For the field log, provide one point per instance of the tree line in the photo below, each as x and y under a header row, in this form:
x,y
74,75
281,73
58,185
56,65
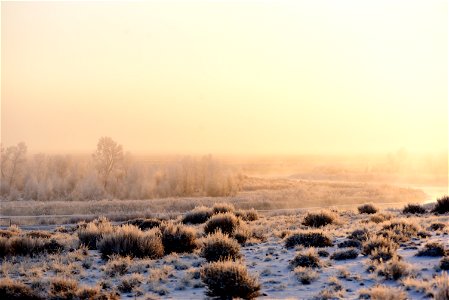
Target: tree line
x,y
109,173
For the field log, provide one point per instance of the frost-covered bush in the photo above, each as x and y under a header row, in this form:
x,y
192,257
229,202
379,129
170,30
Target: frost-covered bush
x,y
94,231
414,209
198,215
228,280
308,238
308,259
319,219
219,246
350,253
225,222
367,209
178,238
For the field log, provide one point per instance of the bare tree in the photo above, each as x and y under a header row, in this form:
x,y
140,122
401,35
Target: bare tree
x,y
108,157
12,160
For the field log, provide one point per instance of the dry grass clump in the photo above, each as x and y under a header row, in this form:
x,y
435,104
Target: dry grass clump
x,y
444,263
242,234
442,283
381,292
394,269
380,217
63,288
442,205
227,280
309,259
417,285
15,290
380,248
28,246
128,240
350,253
308,239
178,238
359,235
94,293
221,208
90,234
219,246
350,244
319,219
198,215
367,208
415,209
305,275
400,230
433,249
437,226
247,215
117,265
226,222
130,282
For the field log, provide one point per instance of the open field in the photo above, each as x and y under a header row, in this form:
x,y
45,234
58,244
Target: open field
x,y
314,254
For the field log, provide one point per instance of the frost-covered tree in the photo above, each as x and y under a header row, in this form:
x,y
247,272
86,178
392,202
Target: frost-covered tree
x,y
108,157
13,160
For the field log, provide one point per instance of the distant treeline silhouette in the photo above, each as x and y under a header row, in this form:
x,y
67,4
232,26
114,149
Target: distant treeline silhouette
x,y
109,174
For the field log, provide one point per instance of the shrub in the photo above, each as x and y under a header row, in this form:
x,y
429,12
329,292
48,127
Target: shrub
x,y
226,222
94,231
394,269
377,242
351,253
128,240
444,263
359,234
382,254
219,246
198,215
130,282
63,288
350,244
437,226
319,219
15,290
307,259
145,224
380,217
399,230
433,249
323,253
23,245
247,215
242,234
367,209
442,292
117,265
305,275
94,293
442,205
383,293
308,239
178,238
414,209
227,279
221,208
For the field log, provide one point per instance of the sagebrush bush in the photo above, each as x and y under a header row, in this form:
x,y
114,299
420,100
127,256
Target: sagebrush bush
x,y
198,215
178,238
350,253
380,217
28,246
226,222
305,275
319,219
308,238
128,240
221,208
242,234
308,258
247,215
437,226
350,244
145,224
367,208
359,235
94,231
444,263
394,269
228,280
442,283
399,230
442,205
63,288
416,209
15,290
432,249
383,253
380,292
117,265
219,246
378,242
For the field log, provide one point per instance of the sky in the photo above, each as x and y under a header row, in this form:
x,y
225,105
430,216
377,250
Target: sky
x,y
226,77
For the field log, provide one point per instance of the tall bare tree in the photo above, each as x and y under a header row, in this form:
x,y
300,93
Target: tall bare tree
x,y
13,159
107,157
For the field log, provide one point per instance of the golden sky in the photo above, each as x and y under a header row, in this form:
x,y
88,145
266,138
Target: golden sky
x,y
226,77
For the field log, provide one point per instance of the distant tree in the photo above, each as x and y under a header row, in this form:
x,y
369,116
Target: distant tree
x,y
108,157
13,159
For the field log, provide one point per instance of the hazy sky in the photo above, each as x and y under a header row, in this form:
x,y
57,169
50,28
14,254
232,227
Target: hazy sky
x,y
226,76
